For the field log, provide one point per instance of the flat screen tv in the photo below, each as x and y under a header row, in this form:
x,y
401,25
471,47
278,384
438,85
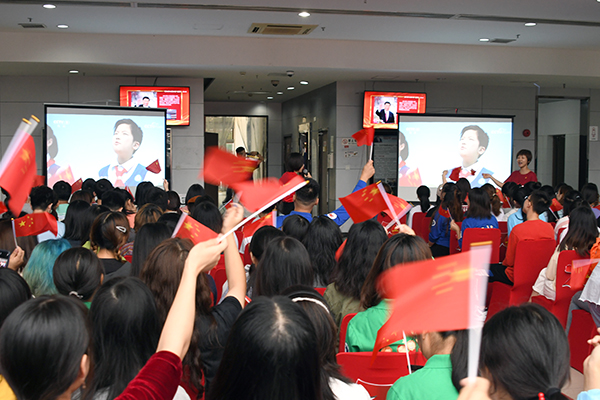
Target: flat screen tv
x,y
464,146
175,99
116,143
381,108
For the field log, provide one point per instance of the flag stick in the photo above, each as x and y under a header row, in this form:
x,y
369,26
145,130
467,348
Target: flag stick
x,y
388,203
12,220
371,155
179,223
406,348
478,288
474,346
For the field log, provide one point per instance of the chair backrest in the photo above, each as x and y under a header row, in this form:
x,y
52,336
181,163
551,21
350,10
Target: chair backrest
x,y
503,226
220,277
417,224
343,330
530,257
480,235
560,308
378,377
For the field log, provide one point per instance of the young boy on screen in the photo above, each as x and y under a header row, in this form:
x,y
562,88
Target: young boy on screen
x,y
473,143
125,171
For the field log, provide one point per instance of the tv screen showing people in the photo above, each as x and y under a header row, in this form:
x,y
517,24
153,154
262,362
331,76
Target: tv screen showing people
x,y
105,142
175,99
381,108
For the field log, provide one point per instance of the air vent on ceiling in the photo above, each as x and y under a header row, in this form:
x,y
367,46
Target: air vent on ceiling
x,y
281,29
502,41
32,25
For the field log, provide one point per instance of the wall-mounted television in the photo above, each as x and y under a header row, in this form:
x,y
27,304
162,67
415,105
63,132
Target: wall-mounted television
x,y
116,143
175,99
381,108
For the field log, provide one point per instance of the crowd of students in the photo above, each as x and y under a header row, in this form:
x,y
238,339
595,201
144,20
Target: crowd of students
x,y
113,306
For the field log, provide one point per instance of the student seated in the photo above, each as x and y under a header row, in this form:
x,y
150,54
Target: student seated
x,y
479,214
450,208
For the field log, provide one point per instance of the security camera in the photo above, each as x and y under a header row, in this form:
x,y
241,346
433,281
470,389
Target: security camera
x,y
290,73
274,82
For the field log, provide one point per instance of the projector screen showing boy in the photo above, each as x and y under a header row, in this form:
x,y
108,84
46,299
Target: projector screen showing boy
x,y
125,171
473,143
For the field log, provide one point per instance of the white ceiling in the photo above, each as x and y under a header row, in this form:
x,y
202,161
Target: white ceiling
x,y
565,28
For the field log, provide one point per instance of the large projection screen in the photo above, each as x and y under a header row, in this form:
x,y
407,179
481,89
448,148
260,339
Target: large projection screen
x,y
84,142
434,144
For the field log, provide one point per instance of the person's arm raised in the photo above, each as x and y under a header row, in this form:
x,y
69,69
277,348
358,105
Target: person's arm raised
x,y
177,332
234,267
496,181
367,172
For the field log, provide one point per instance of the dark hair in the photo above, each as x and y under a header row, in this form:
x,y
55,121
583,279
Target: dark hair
x,y
208,215
110,231
41,197
77,272
398,249
479,204
451,201
62,190
317,310
294,162
13,292
89,185
194,191
539,201
463,187
520,195
531,186
322,240
170,220
86,221
589,192
563,188
159,197
495,202
404,151
525,350
53,148
571,201
423,194
174,202
364,241
126,331
74,222
42,343
276,337
145,97
582,232
147,239
459,357
285,262
136,132
483,137
38,271
141,191
240,150
83,195
308,194
147,214
526,153
508,190
102,186
114,200
295,226
261,238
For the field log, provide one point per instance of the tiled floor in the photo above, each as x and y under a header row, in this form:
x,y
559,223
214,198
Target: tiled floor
x,y
575,386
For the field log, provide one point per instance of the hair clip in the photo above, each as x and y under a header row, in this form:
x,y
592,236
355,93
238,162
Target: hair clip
x,y
121,228
541,396
74,293
320,303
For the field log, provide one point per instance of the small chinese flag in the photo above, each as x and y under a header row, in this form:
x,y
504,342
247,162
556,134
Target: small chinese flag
x,y
189,228
364,136
76,185
34,224
401,206
502,198
129,191
411,179
223,167
340,250
444,212
364,204
267,220
444,294
3,208
39,180
63,174
454,174
556,206
18,169
154,167
580,272
258,195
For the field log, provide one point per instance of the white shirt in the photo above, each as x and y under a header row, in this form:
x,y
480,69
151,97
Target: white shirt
x,y
348,391
42,237
129,167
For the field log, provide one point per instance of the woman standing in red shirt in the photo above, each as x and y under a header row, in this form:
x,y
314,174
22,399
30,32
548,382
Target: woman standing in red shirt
x,y
294,166
523,175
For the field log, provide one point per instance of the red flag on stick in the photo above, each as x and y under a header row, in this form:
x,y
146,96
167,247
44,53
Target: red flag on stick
x,y
3,208
364,136
444,294
76,185
556,206
267,220
401,206
154,167
18,168
34,224
189,228
63,174
258,195
223,167
364,204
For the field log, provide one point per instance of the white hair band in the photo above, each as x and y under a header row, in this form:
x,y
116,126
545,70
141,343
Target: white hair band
x,y
297,299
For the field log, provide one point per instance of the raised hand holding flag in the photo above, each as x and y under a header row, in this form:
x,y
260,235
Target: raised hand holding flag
x,y
189,228
34,224
365,137
364,204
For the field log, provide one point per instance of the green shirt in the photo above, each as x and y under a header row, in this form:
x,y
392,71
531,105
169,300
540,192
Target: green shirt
x,y
432,382
339,304
362,329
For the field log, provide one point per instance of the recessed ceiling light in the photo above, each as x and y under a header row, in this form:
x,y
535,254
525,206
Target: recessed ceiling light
x,y
73,71
269,97
62,26
304,14
279,92
530,24
49,6
304,82
484,40
291,88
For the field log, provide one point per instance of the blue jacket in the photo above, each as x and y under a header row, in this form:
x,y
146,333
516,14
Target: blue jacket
x,y
440,230
339,215
490,222
135,179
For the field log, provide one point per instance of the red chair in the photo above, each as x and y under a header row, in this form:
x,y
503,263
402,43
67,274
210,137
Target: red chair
x,y
454,246
220,277
321,290
481,235
560,306
559,234
378,377
582,329
417,225
530,257
343,329
503,225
